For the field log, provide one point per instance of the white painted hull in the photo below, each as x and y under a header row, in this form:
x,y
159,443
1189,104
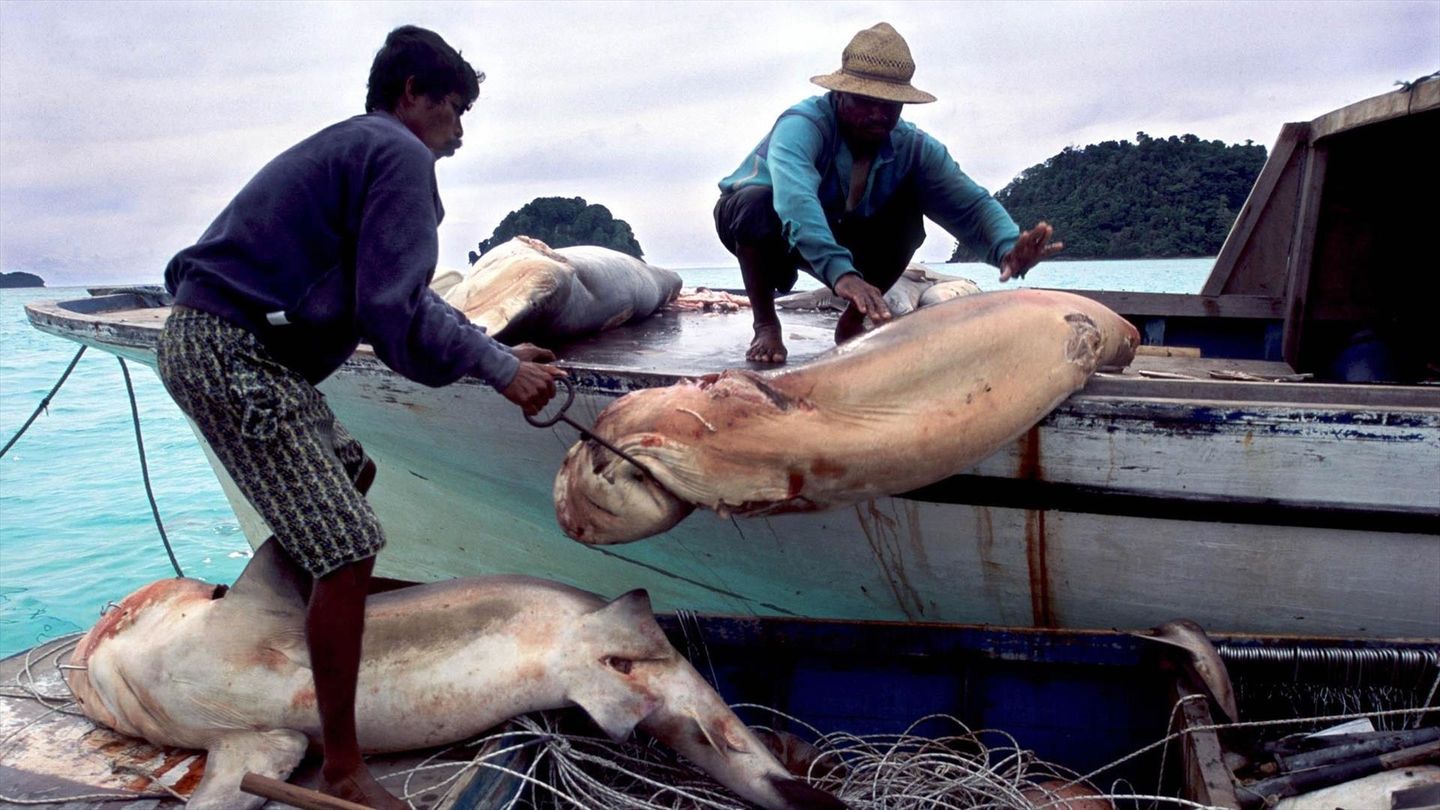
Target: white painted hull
x,y
465,488
1249,507
1238,505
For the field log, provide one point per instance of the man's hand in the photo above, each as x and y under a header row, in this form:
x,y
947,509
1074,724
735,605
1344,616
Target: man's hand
x,y
533,386
1032,246
531,353
866,298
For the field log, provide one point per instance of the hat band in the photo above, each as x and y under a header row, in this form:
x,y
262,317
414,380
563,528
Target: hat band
x,y
849,71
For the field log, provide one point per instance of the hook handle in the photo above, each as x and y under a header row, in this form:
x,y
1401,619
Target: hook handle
x,y
559,414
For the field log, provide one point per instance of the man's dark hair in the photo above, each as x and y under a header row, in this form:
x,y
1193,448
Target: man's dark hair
x,y
439,70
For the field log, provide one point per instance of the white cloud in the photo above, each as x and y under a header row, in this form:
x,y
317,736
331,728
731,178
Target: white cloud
x,y
125,127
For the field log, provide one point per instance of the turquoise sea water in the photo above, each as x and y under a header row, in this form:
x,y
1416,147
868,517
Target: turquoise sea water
x,y
76,529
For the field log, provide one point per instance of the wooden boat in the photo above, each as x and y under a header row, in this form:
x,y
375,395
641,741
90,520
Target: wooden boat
x,y
1098,703
1248,472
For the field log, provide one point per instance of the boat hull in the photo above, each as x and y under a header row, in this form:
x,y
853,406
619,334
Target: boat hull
x,y
1107,514
1272,508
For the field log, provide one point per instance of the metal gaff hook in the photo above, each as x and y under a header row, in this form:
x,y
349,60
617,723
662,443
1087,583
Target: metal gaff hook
x,y
584,431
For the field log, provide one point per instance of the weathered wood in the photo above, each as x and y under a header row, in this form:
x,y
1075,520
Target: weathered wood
x,y
1302,258
1420,97
1167,351
293,795
1380,743
1183,497
1262,202
1185,305
1207,777
1268,791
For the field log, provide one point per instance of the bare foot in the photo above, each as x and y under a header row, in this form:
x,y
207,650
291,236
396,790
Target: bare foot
x,y
361,788
767,347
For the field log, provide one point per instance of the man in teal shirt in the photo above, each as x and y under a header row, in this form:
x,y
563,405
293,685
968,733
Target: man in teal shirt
x,y
840,186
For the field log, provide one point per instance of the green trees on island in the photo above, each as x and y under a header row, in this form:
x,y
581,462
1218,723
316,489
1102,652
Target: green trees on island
x,y
1155,198
562,222
20,279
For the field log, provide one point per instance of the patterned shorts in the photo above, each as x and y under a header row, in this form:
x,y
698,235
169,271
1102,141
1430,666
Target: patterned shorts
x,y
276,436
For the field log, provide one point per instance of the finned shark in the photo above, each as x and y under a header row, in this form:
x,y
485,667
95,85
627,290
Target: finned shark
x,y
524,290
918,286
185,663
914,401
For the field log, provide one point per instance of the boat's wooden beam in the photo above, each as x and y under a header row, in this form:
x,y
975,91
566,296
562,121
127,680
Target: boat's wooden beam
x,y
1420,97
1261,201
1188,306
1207,777
1302,257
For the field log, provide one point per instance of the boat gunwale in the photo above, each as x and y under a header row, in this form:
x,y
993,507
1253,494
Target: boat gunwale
x,y
81,320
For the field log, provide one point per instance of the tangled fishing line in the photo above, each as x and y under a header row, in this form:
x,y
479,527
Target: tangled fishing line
x,y
559,768
549,764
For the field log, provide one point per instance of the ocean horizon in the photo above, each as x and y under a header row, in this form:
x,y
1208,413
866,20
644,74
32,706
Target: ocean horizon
x,y
76,526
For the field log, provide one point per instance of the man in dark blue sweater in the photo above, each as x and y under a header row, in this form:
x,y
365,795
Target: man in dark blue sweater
x,y
331,244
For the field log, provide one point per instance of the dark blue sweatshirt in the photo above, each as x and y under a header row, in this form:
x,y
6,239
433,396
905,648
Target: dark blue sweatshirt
x,y
334,243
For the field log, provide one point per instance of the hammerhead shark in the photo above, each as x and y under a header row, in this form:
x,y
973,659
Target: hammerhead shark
x,y
186,663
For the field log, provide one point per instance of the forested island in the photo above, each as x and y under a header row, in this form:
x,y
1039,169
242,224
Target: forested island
x,y
563,222
1169,197
17,280
1156,198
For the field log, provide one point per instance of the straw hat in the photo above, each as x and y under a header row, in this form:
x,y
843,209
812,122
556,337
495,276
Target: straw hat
x,y
877,64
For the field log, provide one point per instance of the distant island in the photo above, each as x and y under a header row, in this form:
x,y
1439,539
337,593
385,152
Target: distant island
x,y
563,222
1169,197
12,280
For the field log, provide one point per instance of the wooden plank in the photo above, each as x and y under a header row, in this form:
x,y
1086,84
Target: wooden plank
x,y
1167,351
1302,258
1267,792
1260,202
1421,97
1187,305
293,795
1207,778
1202,388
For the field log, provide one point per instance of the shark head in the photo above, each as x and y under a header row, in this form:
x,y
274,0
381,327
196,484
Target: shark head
x,y
611,652
601,498
625,674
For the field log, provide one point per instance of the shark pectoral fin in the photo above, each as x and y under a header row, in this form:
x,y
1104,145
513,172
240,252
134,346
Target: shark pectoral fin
x,y
734,742
615,714
268,753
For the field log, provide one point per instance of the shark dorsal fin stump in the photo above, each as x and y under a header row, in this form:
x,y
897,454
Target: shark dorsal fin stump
x,y
272,576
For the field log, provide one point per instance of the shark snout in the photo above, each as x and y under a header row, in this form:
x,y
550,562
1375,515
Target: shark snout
x,y
625,674
695,721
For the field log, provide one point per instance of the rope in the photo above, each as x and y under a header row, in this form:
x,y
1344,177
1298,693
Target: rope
x,y
139,443
955,771
145,468
44,403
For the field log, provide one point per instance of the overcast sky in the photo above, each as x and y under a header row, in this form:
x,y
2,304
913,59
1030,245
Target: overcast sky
x,y
126,127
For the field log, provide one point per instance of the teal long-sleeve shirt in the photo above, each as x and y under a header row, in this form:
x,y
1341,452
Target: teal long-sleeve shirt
x,y
807,165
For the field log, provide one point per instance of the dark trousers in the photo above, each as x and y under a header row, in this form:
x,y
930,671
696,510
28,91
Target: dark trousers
x,y
881,244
